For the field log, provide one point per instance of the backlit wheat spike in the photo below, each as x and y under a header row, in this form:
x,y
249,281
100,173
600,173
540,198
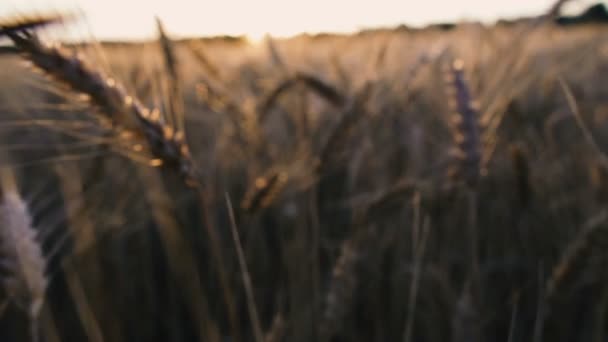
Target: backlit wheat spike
x,y
465,126
123,110
20,253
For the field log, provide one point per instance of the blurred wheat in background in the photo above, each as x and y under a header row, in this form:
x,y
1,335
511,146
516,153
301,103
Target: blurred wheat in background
x,y
446,183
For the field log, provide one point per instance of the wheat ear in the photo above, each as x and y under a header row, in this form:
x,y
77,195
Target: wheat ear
x,y
465,126
123,110
20,253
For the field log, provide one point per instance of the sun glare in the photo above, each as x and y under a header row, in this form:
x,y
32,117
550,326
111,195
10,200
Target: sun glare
x,y
255,39
134,19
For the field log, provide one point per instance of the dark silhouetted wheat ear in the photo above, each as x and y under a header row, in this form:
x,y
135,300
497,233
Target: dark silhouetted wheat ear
x,y
123,111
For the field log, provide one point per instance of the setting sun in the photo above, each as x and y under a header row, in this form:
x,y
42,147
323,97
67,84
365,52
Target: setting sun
x,y
121,19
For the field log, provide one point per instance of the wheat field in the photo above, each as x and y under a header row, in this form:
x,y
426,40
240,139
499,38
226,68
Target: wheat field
x,y
392,185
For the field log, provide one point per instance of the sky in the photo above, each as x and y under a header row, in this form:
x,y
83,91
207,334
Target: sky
x,y
134,19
